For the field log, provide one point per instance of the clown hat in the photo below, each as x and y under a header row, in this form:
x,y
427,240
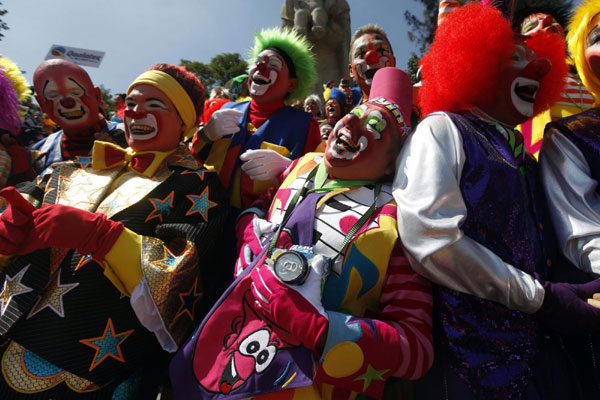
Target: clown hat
x,y
345,82
392,88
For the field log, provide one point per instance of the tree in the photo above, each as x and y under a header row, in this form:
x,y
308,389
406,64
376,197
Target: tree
x,y
3,25
107,104
218,71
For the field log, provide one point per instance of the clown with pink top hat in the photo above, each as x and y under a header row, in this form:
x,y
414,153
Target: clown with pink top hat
x,y
324,298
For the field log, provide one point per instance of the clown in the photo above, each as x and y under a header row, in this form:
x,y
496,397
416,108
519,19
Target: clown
x,y
250,143
334,107
370,322
569,165
104,278
471,215
531,19
370,50
67,95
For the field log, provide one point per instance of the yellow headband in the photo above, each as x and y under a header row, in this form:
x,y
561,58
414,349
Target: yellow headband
x,y
174,91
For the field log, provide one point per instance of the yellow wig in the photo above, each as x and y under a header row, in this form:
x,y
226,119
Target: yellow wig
x,y
577,40
13,72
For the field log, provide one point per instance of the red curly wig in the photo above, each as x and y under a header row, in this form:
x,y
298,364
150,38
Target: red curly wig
x,y
462,66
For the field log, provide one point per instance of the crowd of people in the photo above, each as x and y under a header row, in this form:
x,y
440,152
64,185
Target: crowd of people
x,y
390,239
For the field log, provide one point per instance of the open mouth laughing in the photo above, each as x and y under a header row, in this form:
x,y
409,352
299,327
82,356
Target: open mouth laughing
x,y
523,93
344,147
142,128
72,115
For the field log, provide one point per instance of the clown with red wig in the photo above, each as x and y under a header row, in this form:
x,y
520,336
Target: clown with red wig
x,y
472,216
101,272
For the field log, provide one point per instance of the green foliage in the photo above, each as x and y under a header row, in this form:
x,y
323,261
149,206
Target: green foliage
x,y
218,71
107,99
3,25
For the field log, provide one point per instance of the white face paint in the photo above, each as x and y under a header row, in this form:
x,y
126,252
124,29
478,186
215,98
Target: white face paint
x,y
142,128
69,111
365,70
347,147
264,76
524,105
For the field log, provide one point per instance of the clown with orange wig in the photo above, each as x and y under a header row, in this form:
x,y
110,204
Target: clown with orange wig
x,y
471,216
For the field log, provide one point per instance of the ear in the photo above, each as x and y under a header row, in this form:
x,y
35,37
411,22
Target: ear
x,y
98,94
292,85
392,60
350,71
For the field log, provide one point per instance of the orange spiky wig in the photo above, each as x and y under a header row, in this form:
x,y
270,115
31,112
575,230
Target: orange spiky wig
x,y
462,67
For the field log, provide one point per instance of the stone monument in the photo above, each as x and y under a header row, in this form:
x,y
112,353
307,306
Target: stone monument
x,y
326,25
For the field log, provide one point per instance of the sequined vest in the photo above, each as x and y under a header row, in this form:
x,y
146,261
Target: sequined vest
x,y
582,129
491,346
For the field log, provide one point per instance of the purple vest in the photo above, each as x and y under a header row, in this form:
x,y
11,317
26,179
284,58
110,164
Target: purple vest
x,y
490,346
584,131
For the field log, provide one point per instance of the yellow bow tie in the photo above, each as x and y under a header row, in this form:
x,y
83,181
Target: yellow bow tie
x,y
108,155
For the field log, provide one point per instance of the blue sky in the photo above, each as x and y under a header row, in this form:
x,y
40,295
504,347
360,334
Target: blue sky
x,y
136,34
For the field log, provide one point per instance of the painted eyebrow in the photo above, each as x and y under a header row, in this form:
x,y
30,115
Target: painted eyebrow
x,y
45,84
156,99
77,83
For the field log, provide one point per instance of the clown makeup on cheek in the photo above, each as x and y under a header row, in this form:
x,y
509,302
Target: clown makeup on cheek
x,y
151,120
67,98
371,52
592,52
264,72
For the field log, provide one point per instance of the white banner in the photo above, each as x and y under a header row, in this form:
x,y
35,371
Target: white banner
x,y
90,58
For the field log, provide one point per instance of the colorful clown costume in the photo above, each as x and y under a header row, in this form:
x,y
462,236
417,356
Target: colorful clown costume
x,y
379,310
69,332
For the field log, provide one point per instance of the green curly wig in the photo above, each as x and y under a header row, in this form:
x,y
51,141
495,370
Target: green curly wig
x,y
299,51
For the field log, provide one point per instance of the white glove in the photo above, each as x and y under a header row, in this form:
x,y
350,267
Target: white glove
x,y
263,165
221,123
311,288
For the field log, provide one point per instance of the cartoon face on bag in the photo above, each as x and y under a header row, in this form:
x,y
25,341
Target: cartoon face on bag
x,y
239,350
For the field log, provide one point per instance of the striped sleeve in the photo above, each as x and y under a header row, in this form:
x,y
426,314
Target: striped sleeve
x,y
406,301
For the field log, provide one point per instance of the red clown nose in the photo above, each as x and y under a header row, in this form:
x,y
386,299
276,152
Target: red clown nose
x,y
67,102
135,115
372,57
537,69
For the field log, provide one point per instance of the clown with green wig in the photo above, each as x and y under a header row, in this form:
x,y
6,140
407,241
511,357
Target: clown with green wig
x,y
250,143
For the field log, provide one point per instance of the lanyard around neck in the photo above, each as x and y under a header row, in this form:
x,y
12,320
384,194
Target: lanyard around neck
x,y
320,175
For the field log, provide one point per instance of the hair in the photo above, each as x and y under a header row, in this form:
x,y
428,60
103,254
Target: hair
x,y
462,66
314,98
577,40
123,96
14,73
188,81
523,9
296,48
369,28
338,95
9,106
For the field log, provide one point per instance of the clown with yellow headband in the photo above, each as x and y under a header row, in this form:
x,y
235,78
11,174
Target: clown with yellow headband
x,y
143,217
570,165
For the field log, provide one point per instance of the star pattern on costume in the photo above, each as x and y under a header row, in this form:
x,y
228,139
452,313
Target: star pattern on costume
x,y
13,287
371,375
161,208
52,297
186,158
111,205
199,172
107,345
80,191
200,204
84,260
84,162
188,301
168,261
